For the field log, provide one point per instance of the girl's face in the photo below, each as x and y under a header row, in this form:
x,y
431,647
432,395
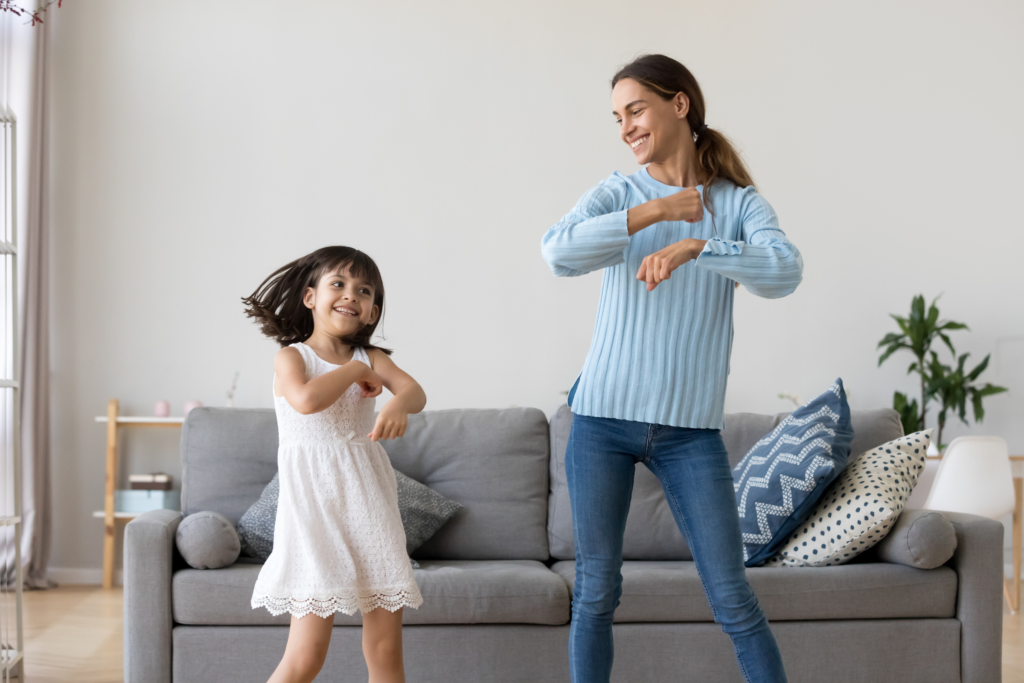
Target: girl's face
x,y
341,303
652,126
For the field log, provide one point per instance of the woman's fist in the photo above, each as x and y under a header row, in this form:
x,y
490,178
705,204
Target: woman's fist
x,y
685,205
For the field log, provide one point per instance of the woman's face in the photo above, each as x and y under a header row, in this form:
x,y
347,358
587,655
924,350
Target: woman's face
x,y
652,126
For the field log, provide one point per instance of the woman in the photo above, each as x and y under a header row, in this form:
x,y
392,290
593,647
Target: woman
x,y
672,239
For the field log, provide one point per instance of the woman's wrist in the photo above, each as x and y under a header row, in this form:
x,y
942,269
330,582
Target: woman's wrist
x,y
644,215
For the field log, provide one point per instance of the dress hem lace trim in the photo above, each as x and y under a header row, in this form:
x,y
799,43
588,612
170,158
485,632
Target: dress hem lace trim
x,y
327,606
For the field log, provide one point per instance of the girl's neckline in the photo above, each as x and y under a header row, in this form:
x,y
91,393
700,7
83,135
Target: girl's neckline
x,y
322,360
646,175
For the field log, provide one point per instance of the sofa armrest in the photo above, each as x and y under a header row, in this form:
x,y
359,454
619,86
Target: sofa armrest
x,y
148,564
978,562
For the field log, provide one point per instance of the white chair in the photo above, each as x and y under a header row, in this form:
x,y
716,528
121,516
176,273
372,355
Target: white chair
x,y
974,477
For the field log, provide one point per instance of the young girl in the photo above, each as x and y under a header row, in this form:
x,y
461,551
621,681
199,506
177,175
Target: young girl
x,y
339,545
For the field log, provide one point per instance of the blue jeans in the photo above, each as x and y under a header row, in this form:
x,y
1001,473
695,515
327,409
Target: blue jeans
x,y
693,467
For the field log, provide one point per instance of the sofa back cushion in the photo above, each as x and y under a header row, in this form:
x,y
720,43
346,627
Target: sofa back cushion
x,y
228,456
493,462
651,531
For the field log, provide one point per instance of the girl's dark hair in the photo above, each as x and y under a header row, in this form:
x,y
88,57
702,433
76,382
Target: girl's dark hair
x,y
277,303
716,157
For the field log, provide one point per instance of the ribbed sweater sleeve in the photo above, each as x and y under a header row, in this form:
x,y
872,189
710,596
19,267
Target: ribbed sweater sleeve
x,y
764,261
591,236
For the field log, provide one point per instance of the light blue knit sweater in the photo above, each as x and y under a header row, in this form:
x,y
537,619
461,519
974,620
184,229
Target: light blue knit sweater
x,y
663,356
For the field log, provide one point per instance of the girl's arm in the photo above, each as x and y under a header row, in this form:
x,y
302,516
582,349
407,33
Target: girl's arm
x,y
319,393
409,398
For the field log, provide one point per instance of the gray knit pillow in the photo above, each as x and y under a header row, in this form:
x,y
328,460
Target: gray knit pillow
x,y
256,527
423,511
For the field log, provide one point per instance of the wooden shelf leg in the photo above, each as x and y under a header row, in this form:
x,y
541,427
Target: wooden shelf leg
x,y
1018,528
109,527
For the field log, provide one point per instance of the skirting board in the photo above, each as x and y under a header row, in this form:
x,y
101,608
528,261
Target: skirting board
x,y
86,576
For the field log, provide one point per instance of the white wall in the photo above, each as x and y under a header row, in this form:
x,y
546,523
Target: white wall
x,y
197,146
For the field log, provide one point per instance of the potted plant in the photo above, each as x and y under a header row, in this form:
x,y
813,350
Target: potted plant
x,y
951,387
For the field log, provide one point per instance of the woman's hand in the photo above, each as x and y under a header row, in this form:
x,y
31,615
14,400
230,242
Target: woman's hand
x,y
685,205
658,267
391,422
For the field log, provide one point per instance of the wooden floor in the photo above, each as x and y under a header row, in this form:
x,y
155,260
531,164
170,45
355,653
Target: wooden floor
x,y
75,634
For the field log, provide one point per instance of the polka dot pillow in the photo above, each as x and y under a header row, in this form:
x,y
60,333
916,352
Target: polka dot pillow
x,y
859,507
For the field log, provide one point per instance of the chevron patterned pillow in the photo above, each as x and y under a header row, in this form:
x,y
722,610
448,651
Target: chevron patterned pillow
x,y
860,507
781,479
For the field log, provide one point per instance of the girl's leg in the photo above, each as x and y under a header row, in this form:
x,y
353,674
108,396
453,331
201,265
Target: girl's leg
x,y
382,645
306,650
693,467
599,467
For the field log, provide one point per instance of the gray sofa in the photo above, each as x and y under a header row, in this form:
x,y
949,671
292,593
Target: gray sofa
x,y
496,580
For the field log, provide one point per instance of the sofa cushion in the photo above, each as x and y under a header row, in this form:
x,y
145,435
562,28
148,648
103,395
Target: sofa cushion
x,y
207,540
423,512
672,591
454,592
920,538
858,509
779,481
651,532
228,455
493,462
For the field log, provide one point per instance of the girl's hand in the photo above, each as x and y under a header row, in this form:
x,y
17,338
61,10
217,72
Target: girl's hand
x,y
658,267
391,423
685,205
370,382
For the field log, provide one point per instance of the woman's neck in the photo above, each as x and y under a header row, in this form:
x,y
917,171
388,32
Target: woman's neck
x,y
679,169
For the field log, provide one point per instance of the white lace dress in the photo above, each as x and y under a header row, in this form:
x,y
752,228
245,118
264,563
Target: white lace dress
x,y
339,545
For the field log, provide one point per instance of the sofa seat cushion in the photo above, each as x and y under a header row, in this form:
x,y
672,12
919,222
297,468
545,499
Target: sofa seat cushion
x,y
454,592
672,591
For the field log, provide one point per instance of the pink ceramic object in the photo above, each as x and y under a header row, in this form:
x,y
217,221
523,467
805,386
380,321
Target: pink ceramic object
x,y
192,404
162,409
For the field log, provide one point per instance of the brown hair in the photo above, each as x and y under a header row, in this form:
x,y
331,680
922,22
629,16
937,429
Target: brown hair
x,y
277,303
716,157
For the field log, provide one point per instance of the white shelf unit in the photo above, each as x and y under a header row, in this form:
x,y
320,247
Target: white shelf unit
x,y
12,643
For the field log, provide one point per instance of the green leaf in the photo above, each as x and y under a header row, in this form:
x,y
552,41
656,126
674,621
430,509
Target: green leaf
x,y
949,344
979,369
917,307
990,390
888,352
891,337
979,412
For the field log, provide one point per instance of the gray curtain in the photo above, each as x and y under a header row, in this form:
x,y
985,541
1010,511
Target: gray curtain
x,y
23,62
35,338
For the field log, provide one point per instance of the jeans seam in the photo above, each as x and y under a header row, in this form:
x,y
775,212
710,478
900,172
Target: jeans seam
x,y
576,553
